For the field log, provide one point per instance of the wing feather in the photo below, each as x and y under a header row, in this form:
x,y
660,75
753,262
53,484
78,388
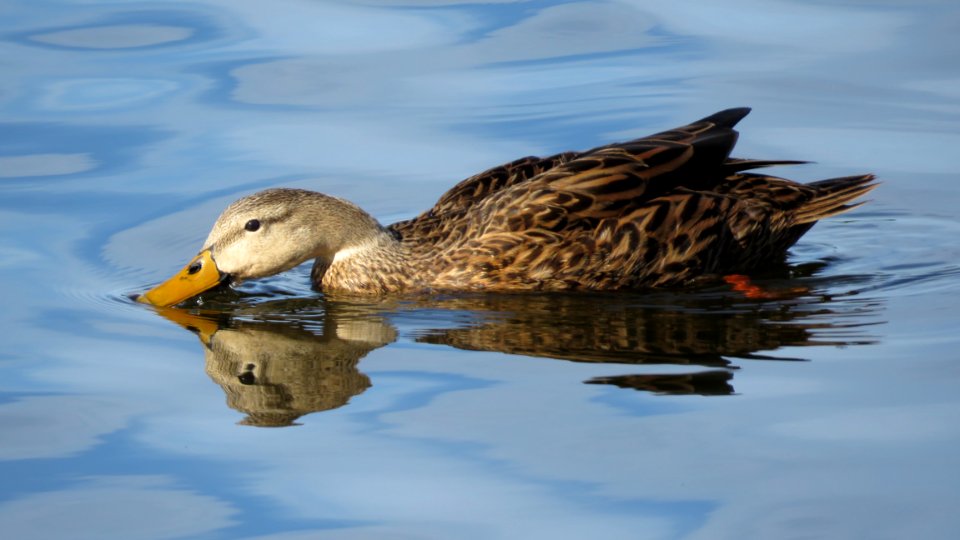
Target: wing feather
x,y
656,211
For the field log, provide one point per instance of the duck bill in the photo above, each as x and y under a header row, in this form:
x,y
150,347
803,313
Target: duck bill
x,y
198,276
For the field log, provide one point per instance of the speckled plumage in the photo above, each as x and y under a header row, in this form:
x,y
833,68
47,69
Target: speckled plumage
x,y
666,210
663,210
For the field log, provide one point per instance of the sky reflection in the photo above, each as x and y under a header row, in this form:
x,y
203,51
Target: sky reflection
x,y
128,126
116,507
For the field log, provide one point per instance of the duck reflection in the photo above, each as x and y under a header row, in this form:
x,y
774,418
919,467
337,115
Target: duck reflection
x,y
278,371
667,329
281,359
704,383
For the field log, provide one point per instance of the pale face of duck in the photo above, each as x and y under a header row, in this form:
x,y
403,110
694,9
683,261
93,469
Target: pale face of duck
x,y
265,234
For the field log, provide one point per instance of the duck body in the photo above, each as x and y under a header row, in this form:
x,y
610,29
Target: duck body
x,y
666,210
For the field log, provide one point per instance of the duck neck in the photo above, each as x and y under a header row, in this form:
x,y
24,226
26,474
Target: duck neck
x,y
375,263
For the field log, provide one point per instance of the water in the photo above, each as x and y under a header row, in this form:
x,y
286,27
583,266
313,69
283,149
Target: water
x,y
126,127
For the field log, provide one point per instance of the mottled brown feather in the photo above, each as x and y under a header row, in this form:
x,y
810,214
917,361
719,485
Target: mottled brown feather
x,y
662,210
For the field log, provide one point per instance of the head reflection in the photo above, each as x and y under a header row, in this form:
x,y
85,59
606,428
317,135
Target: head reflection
x,y
277,371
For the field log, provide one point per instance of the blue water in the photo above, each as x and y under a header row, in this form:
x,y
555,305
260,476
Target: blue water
x,y
272,412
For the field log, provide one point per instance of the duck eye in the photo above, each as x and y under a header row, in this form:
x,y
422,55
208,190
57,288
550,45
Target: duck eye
x,y
252,225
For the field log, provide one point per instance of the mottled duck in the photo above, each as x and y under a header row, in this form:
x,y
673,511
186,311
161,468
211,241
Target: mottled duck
x,y
668,210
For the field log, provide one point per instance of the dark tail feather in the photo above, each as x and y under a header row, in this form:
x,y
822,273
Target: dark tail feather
x,y
726,118
735,165
833,196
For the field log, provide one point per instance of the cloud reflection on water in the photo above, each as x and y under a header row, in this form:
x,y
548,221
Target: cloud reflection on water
x,y
121,507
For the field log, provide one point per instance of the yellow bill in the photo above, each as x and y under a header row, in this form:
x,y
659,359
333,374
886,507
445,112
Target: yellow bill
x,y
201,274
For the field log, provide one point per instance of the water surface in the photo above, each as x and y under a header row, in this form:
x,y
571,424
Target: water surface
x,y
275,412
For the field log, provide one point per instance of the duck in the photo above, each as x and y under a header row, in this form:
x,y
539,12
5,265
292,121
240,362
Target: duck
x,y
668,210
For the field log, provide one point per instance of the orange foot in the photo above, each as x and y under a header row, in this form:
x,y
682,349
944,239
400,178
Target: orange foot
x,y
742,283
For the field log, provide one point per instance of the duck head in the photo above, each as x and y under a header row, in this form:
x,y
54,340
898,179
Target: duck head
x,y
264,234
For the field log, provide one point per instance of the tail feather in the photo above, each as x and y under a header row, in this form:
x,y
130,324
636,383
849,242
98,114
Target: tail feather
x,y
735,165
833,197
726,118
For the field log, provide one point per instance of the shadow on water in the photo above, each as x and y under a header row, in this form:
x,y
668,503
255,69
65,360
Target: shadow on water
x,y
280,359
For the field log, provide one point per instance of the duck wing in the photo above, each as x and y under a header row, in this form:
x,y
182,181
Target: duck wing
x,y
660,210
613,175
463,196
